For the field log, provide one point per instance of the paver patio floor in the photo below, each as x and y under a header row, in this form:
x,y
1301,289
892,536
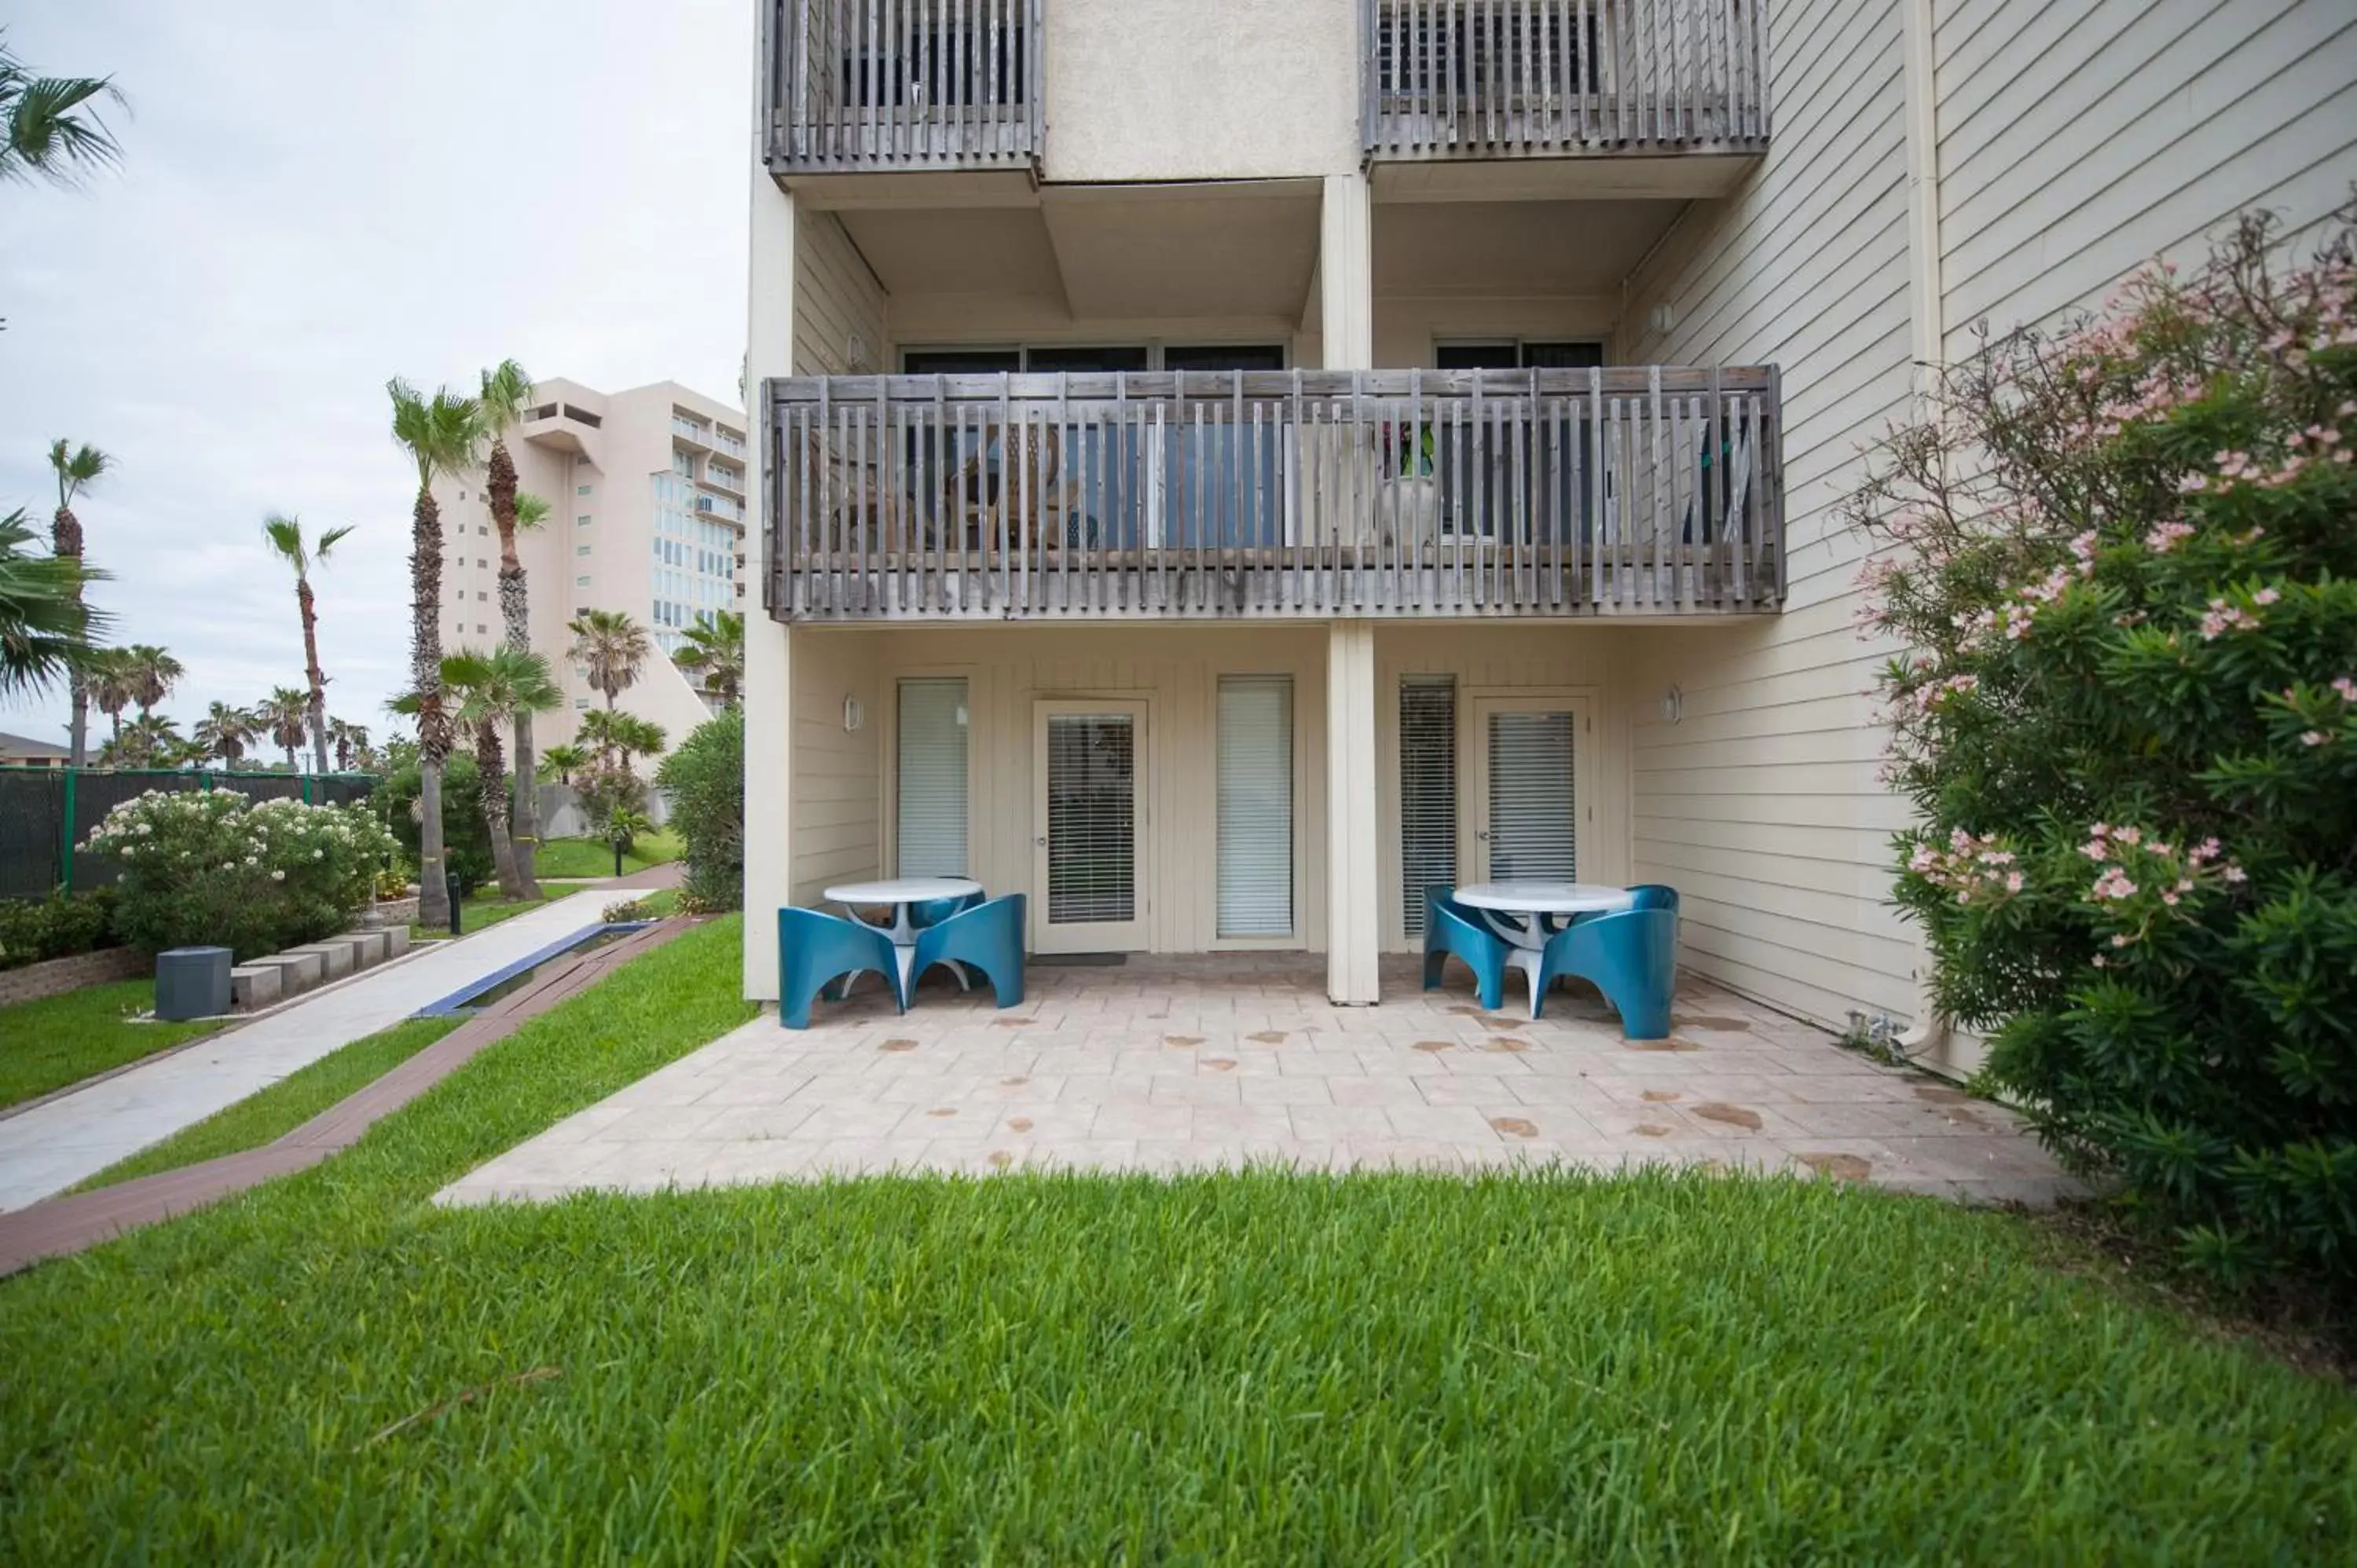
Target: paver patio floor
x,y
1169,1065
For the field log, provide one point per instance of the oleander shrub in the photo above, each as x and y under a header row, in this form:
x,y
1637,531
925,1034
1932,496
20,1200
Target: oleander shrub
x,y
705,778
33,930
213,867
2123,560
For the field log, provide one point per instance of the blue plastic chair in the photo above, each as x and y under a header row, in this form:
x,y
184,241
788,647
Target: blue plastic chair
x,y
1630,956
987,936
1656,896
815,948
1451,928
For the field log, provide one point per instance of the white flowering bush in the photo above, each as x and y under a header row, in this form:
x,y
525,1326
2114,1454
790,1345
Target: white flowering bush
x,y
209,867
2123,560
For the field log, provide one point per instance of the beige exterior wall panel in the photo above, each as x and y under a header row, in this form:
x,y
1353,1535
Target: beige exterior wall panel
x,y
1166,90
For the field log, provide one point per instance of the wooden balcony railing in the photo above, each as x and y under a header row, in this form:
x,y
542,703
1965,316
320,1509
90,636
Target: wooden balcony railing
x,y
866,85
1393,493
1490,79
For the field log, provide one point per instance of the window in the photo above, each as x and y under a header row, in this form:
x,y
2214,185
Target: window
x,y
481,595
480,629
1255,805
580,701
581,521
480,562
1512,355
932,778
1427,732
583,489
581,549
580,582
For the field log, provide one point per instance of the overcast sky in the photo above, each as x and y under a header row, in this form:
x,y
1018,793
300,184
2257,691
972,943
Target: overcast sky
x,y
317,197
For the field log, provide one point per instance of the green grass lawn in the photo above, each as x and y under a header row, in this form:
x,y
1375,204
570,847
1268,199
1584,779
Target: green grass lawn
x,y
286,1105
1255,1368
61,1040
594,858
482,908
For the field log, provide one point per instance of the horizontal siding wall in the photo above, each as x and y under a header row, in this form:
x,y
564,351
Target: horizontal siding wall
x,y
2076,141
2079,142
838,832
1177,671
836,299
1589,661
1761,804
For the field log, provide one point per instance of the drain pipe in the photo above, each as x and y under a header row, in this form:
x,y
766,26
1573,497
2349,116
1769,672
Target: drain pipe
x,y
1927,342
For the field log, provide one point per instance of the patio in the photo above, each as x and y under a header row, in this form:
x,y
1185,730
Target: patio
x,y
1175,1064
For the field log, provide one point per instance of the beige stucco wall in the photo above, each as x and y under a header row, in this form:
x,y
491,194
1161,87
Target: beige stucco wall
x,y
1159,89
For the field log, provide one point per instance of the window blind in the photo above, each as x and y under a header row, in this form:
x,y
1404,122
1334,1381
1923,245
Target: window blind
x,y
1428,791
932,810
1532,825
1091,819
1255,806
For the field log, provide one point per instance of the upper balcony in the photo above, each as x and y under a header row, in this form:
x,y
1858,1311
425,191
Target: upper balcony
x,y
1518,79
859,86
1648,490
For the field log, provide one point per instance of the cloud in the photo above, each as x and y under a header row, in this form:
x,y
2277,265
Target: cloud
x,y
316,197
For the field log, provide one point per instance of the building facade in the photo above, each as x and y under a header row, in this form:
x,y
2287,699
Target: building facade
x,y
1228,466
647,506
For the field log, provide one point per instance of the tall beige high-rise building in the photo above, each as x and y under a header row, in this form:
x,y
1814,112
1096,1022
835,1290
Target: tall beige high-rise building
x,y
646,514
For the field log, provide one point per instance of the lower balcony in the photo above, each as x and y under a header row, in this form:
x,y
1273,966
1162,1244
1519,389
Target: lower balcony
x,y
1647,490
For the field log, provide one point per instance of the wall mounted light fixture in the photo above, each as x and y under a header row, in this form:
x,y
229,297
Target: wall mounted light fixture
x,y
1673,704
854,714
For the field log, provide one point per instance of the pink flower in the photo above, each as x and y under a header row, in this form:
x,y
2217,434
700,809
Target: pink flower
x,y
2266,596
2130,836
2313,737
2013,882
2236,873
2346,689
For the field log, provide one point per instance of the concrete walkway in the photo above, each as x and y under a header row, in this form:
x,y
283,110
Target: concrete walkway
x,y
53,1145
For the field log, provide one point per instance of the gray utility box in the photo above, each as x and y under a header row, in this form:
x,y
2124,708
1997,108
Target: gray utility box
x,y
191,982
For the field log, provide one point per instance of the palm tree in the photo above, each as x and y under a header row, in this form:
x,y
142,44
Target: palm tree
x,y
150,673
620,736
106,674
49,126
284,536
531,513
440,434
351,741
44,627
714,650
77,470
286,714
151,740
225,731
564,761
490,690
613,646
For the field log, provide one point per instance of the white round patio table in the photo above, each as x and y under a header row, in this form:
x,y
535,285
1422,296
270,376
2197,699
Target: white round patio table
x,y
1519,911
899,893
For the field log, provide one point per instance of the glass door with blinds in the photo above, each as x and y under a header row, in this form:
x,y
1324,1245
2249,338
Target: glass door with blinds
x,y
1531,787
930,789
1255,807
1089,861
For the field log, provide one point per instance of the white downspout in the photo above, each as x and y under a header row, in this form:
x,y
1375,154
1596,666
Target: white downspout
x,y
1927,342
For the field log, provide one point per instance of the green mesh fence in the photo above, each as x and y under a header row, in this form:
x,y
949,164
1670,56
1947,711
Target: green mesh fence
x,y
47,812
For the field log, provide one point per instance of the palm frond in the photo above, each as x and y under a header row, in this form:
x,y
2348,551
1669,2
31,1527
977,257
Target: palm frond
x,y
506,392
50,125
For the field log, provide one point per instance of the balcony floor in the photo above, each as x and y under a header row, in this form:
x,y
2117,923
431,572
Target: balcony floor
x,y
1176,1064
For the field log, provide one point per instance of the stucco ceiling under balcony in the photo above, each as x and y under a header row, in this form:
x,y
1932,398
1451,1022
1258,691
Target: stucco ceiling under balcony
x,y
1232,249
1523,248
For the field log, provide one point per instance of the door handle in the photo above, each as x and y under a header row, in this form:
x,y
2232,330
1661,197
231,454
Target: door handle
x,y
1040,842
1483,835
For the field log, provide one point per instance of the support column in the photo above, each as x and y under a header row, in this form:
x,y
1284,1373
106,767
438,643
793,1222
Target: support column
x,y
769,644
1346,274
1354,901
